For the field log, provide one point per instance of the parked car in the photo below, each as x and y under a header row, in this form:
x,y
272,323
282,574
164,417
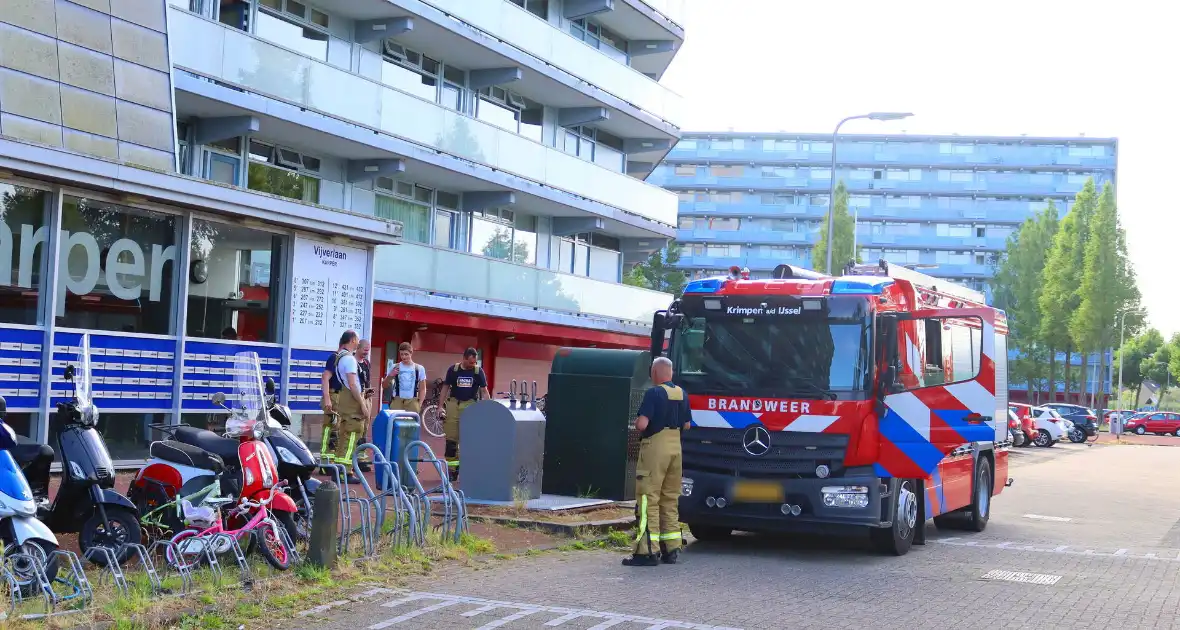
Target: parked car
x,y
1028,422
1157,422
1050,426
1015,433
1083,417
1132,422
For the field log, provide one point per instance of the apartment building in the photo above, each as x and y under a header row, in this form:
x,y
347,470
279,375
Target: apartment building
x,y
448,172
943,204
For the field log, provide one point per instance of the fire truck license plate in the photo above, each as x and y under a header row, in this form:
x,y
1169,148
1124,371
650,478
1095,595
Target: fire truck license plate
x,y
757,492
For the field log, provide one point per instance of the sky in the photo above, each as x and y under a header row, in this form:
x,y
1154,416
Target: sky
x,y
1035,67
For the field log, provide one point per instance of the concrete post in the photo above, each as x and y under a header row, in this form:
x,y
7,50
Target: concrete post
x,y
325,526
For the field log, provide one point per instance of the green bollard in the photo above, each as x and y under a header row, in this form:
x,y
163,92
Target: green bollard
x,y
325,526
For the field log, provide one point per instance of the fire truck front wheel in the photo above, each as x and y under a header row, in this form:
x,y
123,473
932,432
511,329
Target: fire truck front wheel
x,y
706,533
899,537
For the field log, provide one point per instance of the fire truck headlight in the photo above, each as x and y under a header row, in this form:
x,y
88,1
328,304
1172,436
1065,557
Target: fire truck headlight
x,y
845,496
712,305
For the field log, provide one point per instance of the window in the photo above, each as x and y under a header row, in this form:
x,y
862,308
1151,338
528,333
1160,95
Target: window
x,y
725,196
723,251
896,228
1087,151
600,38
952,257
414,215
860,201
779,145
685,170
820,201
956,149
956,176
182,130
954,230
774,225
500,233
724,224
687,144
1077,178
539,8
243,283
23,243
119,267
718,170
721,145
896,201
283,172
778,171
821,173
776,252
686,196
778,199
955,203
860,174
686,223
596,146
904,174
294,25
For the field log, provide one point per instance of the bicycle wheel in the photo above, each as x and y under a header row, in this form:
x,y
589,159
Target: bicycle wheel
x,y
273,549
190,547
432,420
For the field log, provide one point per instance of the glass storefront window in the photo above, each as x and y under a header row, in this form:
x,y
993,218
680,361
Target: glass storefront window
x,y
235,281
23,242
118,269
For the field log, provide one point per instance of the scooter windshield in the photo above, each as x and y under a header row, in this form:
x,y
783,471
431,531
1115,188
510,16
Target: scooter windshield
x,y
82,381
248,400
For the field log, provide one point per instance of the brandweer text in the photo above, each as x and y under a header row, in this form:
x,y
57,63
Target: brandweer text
x,y
759,404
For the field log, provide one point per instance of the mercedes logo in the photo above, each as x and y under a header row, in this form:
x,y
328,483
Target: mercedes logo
x,y
756,440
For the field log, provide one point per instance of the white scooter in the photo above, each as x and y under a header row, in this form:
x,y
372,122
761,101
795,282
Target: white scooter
x,y
22,534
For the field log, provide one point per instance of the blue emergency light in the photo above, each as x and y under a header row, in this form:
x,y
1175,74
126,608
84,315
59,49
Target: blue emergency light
x,y
706,285
860,286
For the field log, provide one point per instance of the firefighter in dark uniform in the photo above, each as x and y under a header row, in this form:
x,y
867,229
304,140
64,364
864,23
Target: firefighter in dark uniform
x,y
663,413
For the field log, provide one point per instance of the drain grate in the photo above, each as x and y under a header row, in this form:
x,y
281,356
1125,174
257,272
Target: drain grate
x,y
1023,578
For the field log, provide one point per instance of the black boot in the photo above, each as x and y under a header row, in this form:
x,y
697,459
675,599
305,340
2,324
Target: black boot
x,y
642,560
670,557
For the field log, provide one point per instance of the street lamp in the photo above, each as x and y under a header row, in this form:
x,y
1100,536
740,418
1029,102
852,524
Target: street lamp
x,y
832,189
1119,391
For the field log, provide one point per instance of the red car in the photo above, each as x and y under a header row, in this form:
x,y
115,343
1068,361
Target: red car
x,y
1157,422
1028,422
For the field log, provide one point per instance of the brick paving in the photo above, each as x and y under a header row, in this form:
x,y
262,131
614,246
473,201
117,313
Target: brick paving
x,y
1098,527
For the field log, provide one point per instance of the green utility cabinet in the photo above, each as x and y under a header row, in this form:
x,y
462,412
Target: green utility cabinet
x,y
590,445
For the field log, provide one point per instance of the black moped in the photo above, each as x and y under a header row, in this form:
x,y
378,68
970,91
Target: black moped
x,y
86,502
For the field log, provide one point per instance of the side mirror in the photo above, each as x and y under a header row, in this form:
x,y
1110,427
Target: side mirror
x,y
659,323
219,399
270,386
890,384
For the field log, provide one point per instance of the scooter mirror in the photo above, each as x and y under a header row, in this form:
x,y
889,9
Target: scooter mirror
x,y
270,386
69,373
219,398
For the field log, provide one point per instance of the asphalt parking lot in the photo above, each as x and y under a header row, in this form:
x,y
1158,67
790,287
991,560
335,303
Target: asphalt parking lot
x,y
1088,537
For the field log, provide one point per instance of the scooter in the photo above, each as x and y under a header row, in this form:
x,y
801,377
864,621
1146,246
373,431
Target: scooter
x,y
86,501
20,531
246,451
176,470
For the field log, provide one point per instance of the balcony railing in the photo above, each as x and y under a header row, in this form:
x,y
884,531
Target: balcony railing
x,y
515,26
467,275
238,58
674,10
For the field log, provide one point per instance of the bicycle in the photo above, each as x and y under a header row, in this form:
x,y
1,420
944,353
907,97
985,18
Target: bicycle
x,y
167,519
191,544
434,414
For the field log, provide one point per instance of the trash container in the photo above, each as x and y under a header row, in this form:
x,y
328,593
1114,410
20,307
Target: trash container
x,y
590,447
392,431
502,449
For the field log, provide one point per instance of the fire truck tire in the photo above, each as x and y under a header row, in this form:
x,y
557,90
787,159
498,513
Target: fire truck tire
x,y
897,539
981,497
707,533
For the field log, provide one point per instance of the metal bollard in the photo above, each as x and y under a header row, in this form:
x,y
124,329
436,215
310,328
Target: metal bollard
x,y
325,526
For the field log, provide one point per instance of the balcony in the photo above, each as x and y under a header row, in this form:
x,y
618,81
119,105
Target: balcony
x,y
675,10
458,274
515,26
237,58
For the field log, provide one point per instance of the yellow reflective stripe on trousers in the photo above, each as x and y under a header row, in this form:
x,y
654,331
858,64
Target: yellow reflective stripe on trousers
x,y
642,518
671,536
351,447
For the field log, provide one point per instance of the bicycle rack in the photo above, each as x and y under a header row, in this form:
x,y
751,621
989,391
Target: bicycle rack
x,y
149,567
182,568
454,503
25,590
111,564
340,476
379,502
77,581
246,577
293,554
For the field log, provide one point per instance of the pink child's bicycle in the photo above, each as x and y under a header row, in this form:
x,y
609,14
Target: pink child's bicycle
x,y
248,516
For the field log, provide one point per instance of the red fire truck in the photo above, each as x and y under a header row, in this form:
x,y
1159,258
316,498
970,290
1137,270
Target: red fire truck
x,y
874,400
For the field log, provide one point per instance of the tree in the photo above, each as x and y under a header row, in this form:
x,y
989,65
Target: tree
x,y
1107,281
1061,295
845,231
500,246
658,272
1158,368
1132,357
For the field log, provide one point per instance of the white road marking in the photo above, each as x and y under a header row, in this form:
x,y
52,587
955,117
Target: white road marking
x,y
609,619
1056,519
1173,554
410,615
510,618
324,608
1025,578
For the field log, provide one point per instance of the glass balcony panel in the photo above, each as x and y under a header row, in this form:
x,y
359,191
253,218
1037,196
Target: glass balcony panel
x,y
467,275
235,57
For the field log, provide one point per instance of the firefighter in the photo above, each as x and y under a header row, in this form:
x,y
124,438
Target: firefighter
x,y
344,402
663,413
463,386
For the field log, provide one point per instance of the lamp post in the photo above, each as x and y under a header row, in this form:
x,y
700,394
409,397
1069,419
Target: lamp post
x,y
832,188
1119,390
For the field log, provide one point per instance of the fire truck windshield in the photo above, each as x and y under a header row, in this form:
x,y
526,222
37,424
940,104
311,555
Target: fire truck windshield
x,y
815,358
